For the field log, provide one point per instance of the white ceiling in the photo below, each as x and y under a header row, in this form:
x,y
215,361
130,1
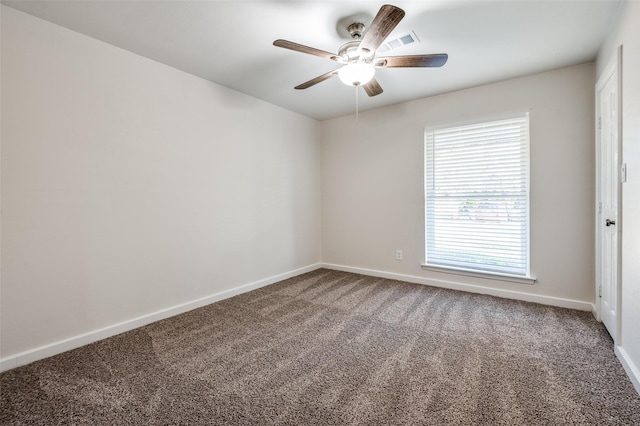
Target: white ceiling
x,y
230,42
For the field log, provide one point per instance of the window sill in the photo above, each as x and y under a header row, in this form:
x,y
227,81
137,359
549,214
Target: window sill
x,y
481,274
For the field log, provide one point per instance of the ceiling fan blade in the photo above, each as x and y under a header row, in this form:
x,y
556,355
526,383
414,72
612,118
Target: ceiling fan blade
x,y
385,21
304,49
411,61
317,80
373,88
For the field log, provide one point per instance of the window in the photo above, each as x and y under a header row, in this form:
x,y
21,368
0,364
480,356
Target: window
x,y
477,197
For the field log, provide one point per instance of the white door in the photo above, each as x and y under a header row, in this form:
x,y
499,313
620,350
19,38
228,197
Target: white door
x,y
608,191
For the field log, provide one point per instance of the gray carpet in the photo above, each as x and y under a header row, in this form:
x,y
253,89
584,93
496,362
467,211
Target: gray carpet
x,y
331,348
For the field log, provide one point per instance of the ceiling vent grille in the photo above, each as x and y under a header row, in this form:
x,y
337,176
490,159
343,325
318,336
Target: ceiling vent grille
x,y
400,41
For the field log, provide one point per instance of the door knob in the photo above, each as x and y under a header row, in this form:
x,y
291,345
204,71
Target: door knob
x,y
610,222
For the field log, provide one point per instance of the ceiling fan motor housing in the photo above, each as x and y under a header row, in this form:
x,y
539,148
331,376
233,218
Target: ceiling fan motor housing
x,y
349,52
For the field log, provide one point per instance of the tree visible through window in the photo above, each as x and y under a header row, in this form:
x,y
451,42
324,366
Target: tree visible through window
x,y
477,196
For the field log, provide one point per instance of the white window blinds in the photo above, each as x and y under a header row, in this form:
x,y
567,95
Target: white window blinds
x,y
477,196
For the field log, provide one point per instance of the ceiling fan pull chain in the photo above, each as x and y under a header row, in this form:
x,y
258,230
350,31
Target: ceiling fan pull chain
x,y
356,105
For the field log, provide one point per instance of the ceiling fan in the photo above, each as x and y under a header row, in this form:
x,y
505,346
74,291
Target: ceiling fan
x,y
358,57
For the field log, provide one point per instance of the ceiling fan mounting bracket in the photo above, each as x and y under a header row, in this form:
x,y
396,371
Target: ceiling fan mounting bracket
x,y
356,30
356,22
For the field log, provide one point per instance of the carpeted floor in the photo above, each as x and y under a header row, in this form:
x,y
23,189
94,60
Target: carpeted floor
x,y
333,348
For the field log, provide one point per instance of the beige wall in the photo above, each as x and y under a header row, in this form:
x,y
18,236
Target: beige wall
x,y
372,183
626,32
129,187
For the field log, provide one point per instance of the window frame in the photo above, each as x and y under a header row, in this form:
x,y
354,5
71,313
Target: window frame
x,y
525,278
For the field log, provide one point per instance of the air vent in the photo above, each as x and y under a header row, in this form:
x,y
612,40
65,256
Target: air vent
x,y
400,41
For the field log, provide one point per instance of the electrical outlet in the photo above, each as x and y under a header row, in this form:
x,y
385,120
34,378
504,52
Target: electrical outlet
x,y
398,254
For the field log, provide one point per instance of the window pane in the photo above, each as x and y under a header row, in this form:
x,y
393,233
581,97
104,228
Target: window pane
x,y
477,196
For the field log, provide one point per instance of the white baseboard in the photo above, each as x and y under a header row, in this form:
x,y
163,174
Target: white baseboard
x,y
55,348
632,370
452,285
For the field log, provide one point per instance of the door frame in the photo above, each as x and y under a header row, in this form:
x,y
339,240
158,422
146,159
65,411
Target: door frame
x,y
614,66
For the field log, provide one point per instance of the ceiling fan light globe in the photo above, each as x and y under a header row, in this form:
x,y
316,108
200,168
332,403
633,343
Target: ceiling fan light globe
x,y
356,74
